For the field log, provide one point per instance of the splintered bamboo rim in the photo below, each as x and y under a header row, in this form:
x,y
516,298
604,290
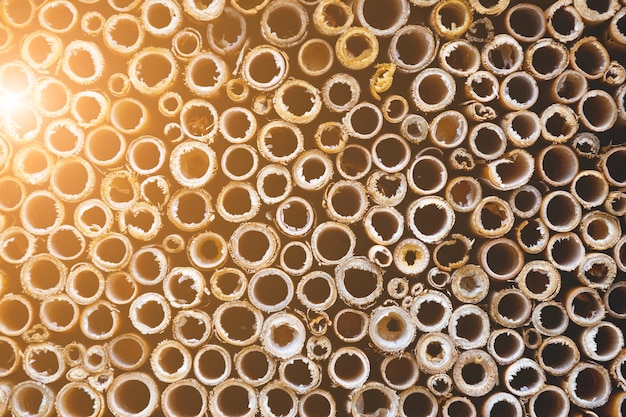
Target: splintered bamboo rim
x,y
503,401
161,17
550,401
588,385
458,404
42,370
170,361
77,397
254,365
283,335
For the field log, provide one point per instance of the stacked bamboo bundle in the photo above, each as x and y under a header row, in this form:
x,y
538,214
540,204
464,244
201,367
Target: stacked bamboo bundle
x,y
314,208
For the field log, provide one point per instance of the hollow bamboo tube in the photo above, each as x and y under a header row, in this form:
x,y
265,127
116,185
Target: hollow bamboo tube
x,y
597,110
190,210
524,377
280,295
502,404
16,245
431,311
469,284
387,189
492,217
238,323
350,325
318,402
284,24
29,50
382,25
299,374
597,270
105,147
317,291
266,246
76,56
42,276
33,164
588,385
518,91
560,211
456,406
283,335
186,43
459,57
13,355
432,90
505,346
127,351
276,399
31,397
435,353
99,320
480,376
352,58
274,183
239,162
212,364
469,327
43,362
161,18
359,281
185,397
602,342
523,128
5,397
557,165
234,397
363,121
564,22
280,141
391,328
599,230
150,313
59,313
512,171
510,308
295,217
255,366
170,361
238,202
332,242
503,55
53,98
594,14
550,318
584,306
312,170
565,250
205,74
133,392
89,108
550,401
199,120
129,115
346,201
440,217
373,396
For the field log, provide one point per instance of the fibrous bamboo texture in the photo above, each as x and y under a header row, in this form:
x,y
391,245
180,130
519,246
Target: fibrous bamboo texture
x,y
312,207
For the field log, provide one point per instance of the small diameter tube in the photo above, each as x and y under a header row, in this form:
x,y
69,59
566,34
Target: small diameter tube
x,y
475,373
249,256
387,189
435,353
588,385
133,393
364,120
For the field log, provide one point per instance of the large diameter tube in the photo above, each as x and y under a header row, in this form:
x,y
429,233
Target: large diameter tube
x,y
133,393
